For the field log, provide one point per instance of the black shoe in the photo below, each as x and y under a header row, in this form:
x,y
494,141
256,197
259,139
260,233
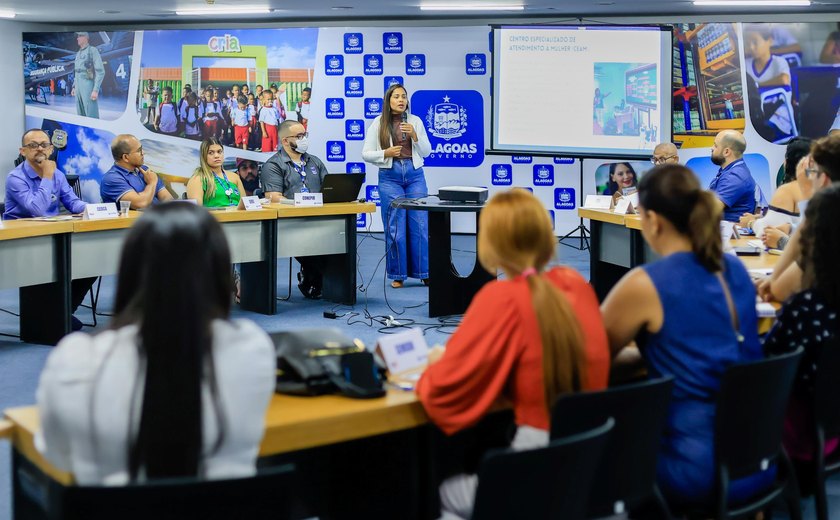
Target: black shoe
x,y
307,288
75,323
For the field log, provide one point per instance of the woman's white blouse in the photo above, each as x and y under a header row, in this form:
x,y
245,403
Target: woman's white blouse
x,y
374,154
84,397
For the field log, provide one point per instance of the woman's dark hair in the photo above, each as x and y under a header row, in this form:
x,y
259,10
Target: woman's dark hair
x,y
386,131
826,153
174,280
820,262
797,148
612,186
673,192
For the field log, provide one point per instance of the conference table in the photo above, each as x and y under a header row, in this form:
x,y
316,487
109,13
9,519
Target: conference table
x,y
44,256
368,455
617,245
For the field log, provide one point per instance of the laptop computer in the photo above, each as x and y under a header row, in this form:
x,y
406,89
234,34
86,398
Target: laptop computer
x,y
342,187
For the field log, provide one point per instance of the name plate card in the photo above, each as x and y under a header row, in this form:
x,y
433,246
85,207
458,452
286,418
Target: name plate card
x,y
100,211
623,206
597,202
404,351
309,199
634,199
251,203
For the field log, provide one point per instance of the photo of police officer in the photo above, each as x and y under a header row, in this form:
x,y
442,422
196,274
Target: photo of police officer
x,y
94,68
89,75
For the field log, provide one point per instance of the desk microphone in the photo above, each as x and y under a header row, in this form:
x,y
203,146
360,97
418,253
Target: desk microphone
x,y
404,119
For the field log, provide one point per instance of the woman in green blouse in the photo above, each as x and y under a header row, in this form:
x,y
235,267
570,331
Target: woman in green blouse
x,y
210,184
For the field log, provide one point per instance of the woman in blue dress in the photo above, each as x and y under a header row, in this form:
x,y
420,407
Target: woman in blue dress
x,y
678,311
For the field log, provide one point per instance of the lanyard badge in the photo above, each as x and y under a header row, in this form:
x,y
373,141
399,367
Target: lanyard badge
x,y
301,170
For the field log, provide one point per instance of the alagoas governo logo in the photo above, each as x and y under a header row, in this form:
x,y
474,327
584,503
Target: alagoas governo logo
x,y
454,121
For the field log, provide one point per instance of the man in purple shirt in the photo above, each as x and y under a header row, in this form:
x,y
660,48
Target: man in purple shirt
x,y
36,187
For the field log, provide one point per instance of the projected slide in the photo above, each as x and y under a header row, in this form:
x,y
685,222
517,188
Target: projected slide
x,y
585,91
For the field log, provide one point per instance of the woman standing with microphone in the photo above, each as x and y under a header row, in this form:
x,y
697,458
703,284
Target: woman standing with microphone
x,y
396,142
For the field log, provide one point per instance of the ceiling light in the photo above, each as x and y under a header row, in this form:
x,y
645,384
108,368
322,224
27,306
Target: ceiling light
x,y
752,3
214,10
471,7
7,13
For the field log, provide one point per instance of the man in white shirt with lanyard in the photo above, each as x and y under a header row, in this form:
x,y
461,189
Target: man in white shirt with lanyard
x,y
292,170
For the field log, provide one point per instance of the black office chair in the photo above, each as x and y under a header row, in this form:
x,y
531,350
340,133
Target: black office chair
x,y
76,185
626,475
826,421
264,496
543,483
750,414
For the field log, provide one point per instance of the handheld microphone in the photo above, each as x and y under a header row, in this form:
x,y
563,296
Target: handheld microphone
x,y
404,119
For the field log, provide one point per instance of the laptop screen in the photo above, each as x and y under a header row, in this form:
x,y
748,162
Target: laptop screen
x,y
342,187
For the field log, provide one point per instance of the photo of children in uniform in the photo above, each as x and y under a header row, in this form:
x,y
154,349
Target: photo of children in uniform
x,y
82,73
234,85
793,80
619,178
625,102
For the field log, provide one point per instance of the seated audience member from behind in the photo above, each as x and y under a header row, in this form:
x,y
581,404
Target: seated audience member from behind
x,y
821,170
809,319
249,173
783,213
149,401
292,170
677,310
733,184
530,338
129,179
665,153
37,188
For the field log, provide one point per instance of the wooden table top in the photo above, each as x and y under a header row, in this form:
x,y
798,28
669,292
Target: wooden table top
x,y
25,228
335,208
633,222
602,215
292,423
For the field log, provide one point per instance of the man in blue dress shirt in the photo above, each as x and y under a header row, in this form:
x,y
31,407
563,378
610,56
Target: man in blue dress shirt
x,y
733,184
129,179
35,188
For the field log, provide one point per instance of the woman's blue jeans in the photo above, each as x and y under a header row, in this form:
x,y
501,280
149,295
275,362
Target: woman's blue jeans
x,y
406,232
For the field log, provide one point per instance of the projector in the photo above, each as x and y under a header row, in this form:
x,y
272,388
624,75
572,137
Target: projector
x,y
474,194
